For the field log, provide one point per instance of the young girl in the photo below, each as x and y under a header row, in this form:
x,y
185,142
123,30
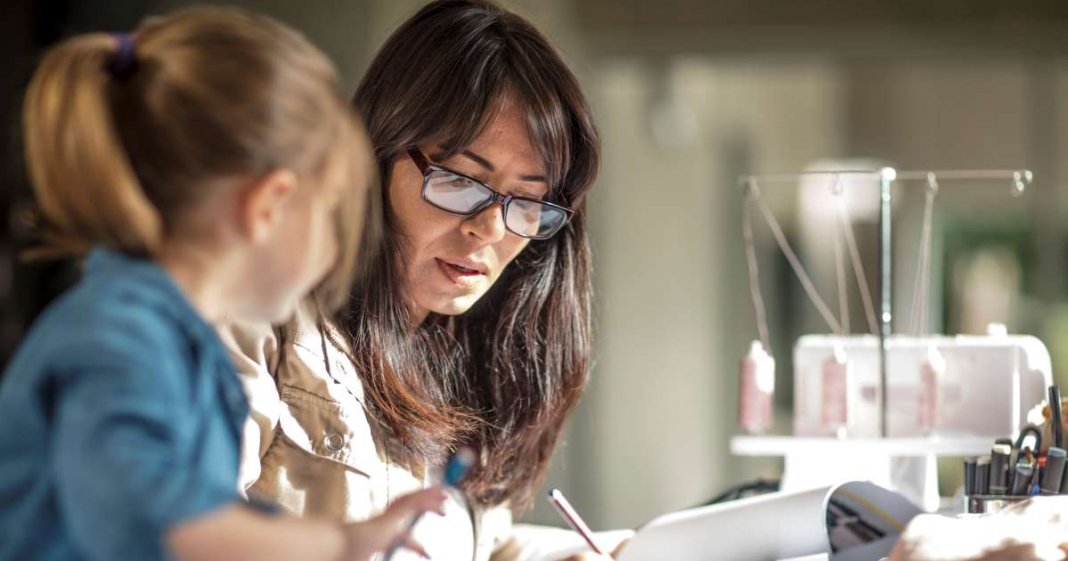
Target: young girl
x,y
210,160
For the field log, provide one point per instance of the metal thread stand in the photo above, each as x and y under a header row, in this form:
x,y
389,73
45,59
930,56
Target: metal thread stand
x,y
887,176
886,293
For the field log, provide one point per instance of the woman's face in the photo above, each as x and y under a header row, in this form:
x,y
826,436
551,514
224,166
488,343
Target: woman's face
x,y
450,260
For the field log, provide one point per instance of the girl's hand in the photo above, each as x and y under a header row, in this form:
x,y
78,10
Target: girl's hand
x,y
378,534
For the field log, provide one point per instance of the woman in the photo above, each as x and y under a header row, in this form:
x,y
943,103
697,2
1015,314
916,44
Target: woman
x,y
471,324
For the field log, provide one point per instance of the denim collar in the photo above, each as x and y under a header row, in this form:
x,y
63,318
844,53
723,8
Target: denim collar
x,y
105,262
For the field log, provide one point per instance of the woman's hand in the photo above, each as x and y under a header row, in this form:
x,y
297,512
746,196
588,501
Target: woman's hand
x,y
1008,552
598,557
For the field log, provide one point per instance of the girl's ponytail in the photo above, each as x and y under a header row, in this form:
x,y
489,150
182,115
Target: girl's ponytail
x,y
82,176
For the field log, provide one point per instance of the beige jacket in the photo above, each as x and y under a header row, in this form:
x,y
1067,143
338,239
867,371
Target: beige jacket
x,y
308,448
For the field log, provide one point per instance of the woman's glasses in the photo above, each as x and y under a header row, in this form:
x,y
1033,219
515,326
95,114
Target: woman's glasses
x,y
459,194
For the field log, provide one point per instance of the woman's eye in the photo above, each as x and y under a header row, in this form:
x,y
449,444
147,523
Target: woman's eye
x,y
460,182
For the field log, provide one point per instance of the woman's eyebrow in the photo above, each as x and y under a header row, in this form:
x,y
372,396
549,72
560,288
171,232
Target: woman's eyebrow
x,y
479,160
537,178
489,166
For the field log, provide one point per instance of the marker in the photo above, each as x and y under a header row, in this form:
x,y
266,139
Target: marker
x,y
573,519
999,469
969,476
459,464
1055,416
1022,478
1012,454
1054,472
982,475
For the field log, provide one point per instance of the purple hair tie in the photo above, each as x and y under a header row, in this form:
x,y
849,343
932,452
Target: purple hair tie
x,y
124,62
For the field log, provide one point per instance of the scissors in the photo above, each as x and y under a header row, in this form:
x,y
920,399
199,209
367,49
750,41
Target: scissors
x,y
1029,430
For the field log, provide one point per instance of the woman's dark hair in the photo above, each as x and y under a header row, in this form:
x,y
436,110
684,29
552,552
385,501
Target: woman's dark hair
x,y
504,376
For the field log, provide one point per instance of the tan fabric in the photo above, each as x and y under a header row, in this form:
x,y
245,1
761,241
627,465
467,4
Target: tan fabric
x,y
309,449
1033,530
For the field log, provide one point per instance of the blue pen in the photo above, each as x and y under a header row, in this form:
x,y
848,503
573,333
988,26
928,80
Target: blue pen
x,y
1036,477
459,464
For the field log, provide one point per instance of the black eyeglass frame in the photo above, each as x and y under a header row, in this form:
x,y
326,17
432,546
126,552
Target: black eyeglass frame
x,y
426,167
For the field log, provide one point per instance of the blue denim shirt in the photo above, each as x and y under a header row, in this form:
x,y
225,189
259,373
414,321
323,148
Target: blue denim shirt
x,y
120,417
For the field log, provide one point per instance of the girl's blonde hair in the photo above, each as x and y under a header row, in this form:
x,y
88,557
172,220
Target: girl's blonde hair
x,y
125,133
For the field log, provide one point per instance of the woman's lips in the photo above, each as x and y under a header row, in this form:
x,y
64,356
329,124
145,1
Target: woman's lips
x,y
458,274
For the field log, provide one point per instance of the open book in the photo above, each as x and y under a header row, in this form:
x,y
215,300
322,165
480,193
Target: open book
x,y
850,522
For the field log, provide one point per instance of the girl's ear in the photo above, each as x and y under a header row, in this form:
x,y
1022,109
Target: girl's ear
x,y
262,202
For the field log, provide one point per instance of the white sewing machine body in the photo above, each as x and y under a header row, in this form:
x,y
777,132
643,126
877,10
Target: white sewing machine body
x,y
985,388
986,384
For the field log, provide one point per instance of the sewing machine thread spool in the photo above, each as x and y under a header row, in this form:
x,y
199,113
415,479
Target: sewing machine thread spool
x,y
756,390
834,411
932,372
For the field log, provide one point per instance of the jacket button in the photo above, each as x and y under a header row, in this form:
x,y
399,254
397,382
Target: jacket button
x,y
334,442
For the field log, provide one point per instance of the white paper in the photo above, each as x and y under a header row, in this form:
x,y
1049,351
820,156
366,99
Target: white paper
x,y
776,526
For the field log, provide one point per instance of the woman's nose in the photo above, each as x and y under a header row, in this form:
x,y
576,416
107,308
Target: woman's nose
x,y
487,225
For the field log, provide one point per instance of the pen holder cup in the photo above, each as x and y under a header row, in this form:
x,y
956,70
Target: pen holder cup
x,y
986,504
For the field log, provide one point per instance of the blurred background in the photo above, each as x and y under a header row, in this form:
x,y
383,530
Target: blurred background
x,y
689,94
